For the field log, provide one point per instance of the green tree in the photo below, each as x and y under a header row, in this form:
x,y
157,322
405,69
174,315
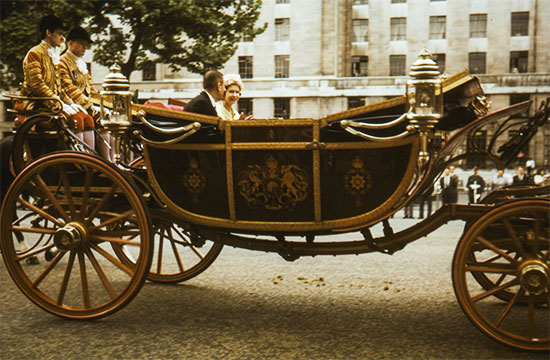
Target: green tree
x,y
195,34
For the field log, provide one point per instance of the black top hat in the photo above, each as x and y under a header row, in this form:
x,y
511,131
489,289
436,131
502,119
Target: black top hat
x,y
79,33
52,23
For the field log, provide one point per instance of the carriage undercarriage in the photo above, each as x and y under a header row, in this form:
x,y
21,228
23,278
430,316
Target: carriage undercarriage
x,y
200,183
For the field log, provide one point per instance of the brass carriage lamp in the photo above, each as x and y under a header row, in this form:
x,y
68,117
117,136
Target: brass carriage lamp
x,y
116,93
424,99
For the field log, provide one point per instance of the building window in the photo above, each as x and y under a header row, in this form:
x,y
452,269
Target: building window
x,y
398,28
89,67
397,65
478,25
360,2
398,1
283,1
359,65
246,38
520,23
149,71
437,27
355,101
246,106
360,30
282,63
440,60
518,61
281,108
246,67
518,98
476,62
282,29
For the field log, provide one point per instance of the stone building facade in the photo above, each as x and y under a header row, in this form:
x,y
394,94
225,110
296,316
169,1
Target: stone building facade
x,y
318,57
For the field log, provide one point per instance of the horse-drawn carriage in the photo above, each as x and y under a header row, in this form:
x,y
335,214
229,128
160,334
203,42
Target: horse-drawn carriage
x,y
183,185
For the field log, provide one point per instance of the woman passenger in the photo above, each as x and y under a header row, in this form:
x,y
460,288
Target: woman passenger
x,y
227,108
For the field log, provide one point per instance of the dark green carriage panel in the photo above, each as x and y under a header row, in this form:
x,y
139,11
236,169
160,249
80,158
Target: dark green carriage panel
x,y
247,134
193,180
273,185
354,182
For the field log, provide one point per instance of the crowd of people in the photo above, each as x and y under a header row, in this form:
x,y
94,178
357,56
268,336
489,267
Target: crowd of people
x,y
448,186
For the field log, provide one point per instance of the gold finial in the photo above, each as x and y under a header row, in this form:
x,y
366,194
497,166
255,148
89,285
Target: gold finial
x,y
115,80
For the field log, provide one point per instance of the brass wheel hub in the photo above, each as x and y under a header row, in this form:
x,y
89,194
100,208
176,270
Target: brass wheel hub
x,y
533,276
70,236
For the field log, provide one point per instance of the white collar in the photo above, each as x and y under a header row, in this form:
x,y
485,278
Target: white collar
x,y
53,52
211,99
80,64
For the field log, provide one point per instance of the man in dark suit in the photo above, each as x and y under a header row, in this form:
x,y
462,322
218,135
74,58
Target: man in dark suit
x,y
449,187
522,178
205,102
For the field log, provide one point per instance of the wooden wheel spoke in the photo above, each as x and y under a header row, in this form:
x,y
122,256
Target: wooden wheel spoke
x,y
537,230
114,219
33,230
33,252
531,316
515,238
68,191
506,310
487,293
52,198
492,268
176,253
112,259
195,250
66,278
114,239
101,274
47,270
159,257
84,280
100,205
40,212
496,249
86,192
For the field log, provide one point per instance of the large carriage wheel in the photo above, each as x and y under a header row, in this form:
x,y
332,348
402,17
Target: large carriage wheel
x,y
176,257
68,203
508,247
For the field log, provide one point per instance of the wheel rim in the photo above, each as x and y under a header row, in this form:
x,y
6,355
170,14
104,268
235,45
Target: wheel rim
x,y
508,249
65,202
177,257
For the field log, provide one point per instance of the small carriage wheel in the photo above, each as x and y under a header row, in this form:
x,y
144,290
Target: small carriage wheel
x,y
510,247
66,203
176,257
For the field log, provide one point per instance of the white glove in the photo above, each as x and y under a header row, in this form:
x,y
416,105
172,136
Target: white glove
x,y
95,108
68,109
79,108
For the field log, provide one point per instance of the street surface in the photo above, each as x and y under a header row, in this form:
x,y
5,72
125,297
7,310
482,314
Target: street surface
x,y
252,305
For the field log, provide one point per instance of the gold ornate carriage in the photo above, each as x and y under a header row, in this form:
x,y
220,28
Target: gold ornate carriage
x,y
201,182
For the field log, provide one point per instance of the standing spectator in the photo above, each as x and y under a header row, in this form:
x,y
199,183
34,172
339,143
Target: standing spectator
x,y
426,198
521,178
541,178
409,210
500,180
449,187
475,186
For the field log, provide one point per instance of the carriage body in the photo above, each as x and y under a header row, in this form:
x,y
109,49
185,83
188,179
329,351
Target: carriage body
x,y
200,183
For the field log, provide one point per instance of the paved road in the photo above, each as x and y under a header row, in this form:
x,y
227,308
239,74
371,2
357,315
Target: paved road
x,y
251,305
